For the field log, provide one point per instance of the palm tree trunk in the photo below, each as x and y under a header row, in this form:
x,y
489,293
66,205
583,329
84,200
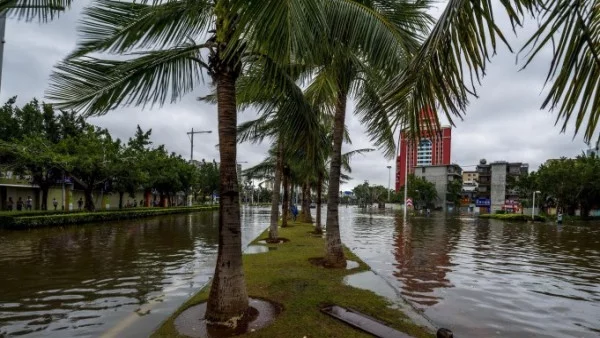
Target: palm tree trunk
x,y
334,256
318,228
273,229
285,205
228,299
306,218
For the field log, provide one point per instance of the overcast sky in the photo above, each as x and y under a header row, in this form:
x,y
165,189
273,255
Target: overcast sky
x,y
504,123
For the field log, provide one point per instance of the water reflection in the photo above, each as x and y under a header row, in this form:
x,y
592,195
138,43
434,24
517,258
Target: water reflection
x,y
84,280
486,278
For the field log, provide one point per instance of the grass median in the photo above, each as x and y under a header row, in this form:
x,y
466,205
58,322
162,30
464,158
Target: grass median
x,y
286,276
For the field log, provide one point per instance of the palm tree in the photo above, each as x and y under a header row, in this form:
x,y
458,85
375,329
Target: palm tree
x,y
358,71
164,60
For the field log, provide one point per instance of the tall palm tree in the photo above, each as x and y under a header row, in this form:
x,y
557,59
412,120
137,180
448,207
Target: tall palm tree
x,y
357,71
165,60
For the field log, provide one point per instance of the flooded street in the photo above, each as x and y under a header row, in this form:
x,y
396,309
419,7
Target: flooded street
x,y
484,278
119,279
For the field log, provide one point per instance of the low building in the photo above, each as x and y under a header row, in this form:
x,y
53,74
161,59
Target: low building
x,y
440,175
470,176
496,185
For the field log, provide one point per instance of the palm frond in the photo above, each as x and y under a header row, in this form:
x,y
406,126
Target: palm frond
x,y
94,86
287,30
573,29
451,61
29,10
117,26
346,157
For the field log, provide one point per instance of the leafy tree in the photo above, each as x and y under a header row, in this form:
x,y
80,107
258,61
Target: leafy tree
x,y
88,159
421,191
454,192
208,179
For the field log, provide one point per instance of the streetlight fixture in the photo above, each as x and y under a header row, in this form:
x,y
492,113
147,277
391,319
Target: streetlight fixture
x,y
533,208
191,136
389,180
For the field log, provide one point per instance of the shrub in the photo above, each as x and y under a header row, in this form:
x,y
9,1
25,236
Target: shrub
x,y
26,222
514,217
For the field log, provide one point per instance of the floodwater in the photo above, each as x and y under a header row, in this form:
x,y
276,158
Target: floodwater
x,y
115,280
485,278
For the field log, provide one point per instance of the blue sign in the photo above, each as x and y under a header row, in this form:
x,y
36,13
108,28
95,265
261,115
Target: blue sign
x,y
347,193
483,202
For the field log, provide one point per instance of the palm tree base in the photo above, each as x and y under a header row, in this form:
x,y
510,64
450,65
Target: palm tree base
x,y
260,313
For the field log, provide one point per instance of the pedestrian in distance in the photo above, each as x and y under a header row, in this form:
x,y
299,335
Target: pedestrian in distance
x,y
80,203
54,203
10,204
294,211
20,204
29,203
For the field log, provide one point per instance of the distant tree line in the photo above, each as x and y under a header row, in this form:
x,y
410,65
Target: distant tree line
x,y
566,183
48,146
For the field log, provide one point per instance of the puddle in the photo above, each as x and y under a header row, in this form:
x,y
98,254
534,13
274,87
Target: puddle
x,y
351,265
256,249
191,322
368,280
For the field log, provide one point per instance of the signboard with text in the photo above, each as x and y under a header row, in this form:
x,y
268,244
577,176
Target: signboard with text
x,y
483,202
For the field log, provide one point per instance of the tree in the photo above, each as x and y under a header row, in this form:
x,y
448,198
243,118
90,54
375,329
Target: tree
x,y
422,192
358,70
169,65
454,193
88,158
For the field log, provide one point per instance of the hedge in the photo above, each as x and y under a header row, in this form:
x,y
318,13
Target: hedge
x,y
514,217
22,222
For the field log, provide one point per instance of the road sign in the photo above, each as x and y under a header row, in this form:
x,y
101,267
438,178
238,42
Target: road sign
x,y
409,202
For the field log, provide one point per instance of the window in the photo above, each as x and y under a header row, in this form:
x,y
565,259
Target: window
x,y
424,152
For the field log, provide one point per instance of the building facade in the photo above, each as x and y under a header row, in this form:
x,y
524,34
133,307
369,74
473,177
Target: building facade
x,y
495,189
469,177
432,149
441,176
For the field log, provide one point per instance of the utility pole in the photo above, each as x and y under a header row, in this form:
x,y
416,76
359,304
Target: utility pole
x,y
191,136
2,32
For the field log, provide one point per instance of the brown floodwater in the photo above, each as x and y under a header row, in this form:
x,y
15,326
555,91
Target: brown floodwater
x,y
486,278
119,279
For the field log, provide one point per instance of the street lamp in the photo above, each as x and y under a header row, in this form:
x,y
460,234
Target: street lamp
x,y
389,180
533,208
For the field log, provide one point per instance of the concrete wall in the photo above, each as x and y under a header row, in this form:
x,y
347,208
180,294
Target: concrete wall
x,y
437,175
498,186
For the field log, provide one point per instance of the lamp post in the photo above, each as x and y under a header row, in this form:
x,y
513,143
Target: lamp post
x,y
389,180
533,208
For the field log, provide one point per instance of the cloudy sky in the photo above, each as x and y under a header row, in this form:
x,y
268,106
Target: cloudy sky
x,y
504,123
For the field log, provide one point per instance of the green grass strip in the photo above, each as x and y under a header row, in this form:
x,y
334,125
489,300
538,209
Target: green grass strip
x,y
285,275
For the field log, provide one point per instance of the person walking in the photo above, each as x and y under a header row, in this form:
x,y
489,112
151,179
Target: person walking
x,y
54,203
10,203
29,203
19,204
80,203
294,212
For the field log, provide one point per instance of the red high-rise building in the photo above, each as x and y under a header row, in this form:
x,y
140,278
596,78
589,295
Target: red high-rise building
x,y
433,148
